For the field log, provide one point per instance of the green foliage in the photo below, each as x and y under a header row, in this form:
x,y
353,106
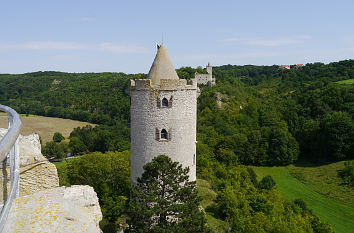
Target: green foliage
x,y
108,174
62,172
301,204
337,136
163,200
248,209
100,138
258,115
337,212
347,173
58,137
253,134
188,72
77,145
267,182
54,150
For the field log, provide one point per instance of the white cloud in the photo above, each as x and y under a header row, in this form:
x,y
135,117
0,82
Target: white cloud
x,y
270,42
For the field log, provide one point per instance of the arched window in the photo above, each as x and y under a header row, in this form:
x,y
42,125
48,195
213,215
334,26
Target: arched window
x,y
164,134
164,102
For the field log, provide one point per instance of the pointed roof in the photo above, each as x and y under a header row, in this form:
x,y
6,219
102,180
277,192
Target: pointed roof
x,y
162,67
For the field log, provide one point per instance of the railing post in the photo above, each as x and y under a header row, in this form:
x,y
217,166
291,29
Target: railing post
x,y
15,169
4,179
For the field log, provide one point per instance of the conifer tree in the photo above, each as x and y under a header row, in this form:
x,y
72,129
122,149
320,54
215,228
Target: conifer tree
x,y
164,200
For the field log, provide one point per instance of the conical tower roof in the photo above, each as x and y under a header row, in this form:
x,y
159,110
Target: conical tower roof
x,y
162,67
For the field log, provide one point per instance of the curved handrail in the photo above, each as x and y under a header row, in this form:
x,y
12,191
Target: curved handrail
x,y
9,146
12,134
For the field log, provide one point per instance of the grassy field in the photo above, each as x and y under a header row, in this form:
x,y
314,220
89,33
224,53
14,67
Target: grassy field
x,y
45,126
339,213
348,81
324,179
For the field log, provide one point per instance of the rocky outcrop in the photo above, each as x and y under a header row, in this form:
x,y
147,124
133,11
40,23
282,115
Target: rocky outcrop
x,y
63,209
36,172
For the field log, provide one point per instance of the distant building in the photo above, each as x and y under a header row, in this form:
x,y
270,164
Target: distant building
x,y
299,66
285,67
206,79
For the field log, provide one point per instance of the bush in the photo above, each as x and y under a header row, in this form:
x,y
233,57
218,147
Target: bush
x,y
347,173
58,137
53,150
299,202
267,183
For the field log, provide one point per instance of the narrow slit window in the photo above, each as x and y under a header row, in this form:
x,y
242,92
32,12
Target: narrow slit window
x,y
158,102
170,102
157,134
164,134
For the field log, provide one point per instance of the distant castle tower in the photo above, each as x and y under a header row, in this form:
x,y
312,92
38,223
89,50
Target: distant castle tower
x,y
206,79
163,117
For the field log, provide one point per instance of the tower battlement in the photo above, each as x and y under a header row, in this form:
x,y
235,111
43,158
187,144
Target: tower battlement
x,y
165,84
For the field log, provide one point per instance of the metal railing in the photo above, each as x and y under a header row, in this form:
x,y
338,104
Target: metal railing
x,y
9,150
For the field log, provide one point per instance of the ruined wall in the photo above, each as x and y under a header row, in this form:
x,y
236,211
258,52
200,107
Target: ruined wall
x,y
36,172
179,120
204,78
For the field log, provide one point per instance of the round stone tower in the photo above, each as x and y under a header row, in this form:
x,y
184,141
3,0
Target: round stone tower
x,y
163,117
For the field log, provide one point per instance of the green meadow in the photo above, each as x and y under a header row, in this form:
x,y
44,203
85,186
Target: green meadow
x,y
339,213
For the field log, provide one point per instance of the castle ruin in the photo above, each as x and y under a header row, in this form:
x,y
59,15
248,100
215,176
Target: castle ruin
x,y
206,79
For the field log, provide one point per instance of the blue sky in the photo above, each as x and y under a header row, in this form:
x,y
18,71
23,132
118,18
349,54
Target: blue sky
x,y
120,36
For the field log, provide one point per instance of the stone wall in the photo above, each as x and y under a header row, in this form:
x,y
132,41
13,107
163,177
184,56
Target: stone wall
x,y
204,78
36,172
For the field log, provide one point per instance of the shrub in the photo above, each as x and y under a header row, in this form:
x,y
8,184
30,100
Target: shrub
x,y
267,183
347,173
58,137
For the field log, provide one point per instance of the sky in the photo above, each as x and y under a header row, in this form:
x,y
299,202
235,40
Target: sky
x,y
121,36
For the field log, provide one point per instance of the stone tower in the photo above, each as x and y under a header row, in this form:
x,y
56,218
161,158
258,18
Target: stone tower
x,y
163,117
209,69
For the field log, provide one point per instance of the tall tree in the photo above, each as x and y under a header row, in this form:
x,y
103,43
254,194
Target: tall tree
x,y
164,200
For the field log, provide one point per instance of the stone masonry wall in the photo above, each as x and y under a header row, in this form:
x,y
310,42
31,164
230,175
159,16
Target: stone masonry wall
x,y
179,120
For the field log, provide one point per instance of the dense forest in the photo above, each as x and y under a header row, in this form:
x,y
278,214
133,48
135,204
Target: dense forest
x,y
255,115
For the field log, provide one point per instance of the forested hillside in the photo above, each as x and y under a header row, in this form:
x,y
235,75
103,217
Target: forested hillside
x,y
267,116
255,115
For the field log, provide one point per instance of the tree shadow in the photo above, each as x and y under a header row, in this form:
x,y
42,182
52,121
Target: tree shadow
x,y
312,163
213,211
